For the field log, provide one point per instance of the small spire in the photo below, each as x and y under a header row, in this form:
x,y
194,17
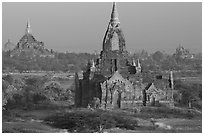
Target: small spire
x,y
28,27
93,64
93,68
114,14
28,23
138,63
133,63
171,79
138,67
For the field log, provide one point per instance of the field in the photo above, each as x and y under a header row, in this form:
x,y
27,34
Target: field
x,y
192,79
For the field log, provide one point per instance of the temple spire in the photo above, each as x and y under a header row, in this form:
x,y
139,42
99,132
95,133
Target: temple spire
x,y
171,80
28,28
133,63
93,64
138,63
114,14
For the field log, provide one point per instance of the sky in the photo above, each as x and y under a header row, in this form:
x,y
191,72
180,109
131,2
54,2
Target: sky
x,y
80,26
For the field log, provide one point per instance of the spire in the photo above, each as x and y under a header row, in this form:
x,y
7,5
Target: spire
x,y
93,64
138,63
93,68
28,29
133,63
138,67
114,14
171,80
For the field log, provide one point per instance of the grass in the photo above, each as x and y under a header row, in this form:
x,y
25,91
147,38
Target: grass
x,y
27,127
27,121
81,120
165,112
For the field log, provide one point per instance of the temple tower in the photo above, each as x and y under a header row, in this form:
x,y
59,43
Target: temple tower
x,y
114,38
113,54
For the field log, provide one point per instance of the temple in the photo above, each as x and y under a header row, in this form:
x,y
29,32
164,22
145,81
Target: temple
x,y
8,46
106,78
30,46
113,79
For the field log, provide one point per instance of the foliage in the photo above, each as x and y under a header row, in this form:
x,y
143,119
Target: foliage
x,y
11,87
158,56
53,91
76,61
61,62
32,90
190,92
90,121
165,112
8,94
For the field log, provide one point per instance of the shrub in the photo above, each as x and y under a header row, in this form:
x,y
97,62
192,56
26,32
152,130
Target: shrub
x,y
164,112
90,121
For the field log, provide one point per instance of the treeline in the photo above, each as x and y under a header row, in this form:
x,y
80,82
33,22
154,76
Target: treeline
x,y
159,61
74,62
61,62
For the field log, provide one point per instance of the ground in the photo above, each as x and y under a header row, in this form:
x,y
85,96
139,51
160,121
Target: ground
x,y
69,119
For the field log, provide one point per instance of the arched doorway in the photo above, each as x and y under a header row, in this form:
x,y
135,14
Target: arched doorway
x,y
118,90
117,96
114,91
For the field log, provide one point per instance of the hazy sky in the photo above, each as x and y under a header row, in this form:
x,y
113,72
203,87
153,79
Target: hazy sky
x,y
80,27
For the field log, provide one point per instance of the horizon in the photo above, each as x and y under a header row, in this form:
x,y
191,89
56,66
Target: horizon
x,y
161,27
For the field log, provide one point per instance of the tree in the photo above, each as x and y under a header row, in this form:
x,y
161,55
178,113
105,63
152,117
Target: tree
x,y
191,93
158,56
11,90
53,91
169,63
8,92
33,91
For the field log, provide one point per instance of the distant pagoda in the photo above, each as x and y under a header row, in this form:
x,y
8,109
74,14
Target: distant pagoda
x,y
30,46
8,46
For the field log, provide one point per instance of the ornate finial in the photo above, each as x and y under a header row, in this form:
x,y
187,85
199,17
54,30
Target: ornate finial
x,y
114,14
28,29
